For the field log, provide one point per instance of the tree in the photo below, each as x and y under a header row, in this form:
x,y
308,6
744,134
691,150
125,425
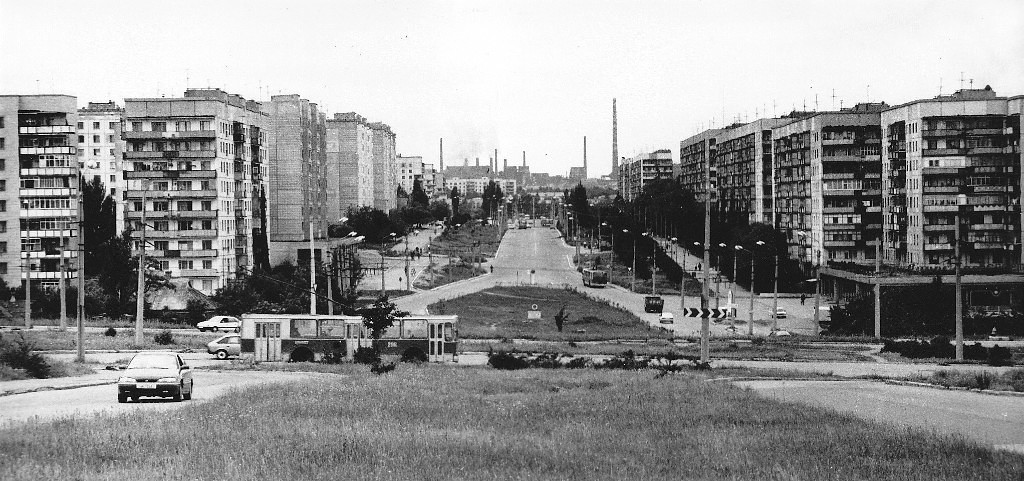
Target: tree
x,y
439,210
419,197
118,275
99,223
492,198
560,318
379,317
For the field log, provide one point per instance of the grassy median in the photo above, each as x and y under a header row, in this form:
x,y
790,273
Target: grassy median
x,y
443,422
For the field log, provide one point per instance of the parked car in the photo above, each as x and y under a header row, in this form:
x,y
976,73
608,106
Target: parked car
x,y
779,333
225,346
666,318
780,313
155,374
220,323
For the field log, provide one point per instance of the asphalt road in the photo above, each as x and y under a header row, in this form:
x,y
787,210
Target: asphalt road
x,y
996,421
84,401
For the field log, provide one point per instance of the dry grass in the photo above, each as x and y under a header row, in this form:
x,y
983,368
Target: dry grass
x,y
444,422
125,340
1012,380
501,312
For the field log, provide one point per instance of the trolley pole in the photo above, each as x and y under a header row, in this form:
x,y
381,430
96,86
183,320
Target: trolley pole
x,y
140,293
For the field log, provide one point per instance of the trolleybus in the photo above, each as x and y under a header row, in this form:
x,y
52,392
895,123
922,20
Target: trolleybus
x,y
595,277
306,337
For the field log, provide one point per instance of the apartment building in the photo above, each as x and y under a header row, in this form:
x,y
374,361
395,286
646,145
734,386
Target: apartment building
x,y
642,169
299,187
432,181
476,186
697,163
350,163
39,189
100,147
949,158
410,169
385,167
828,178
195,167
744,171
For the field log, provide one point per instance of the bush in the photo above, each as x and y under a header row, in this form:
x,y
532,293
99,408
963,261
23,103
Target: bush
x,y
110,332
366,355
164,337
414,354
381,368
578,363
506,361
1015,379
18,354
999,356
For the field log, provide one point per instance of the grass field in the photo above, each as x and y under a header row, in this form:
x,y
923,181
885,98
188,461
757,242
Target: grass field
x,y
125,340
447,274
719,349
500,312
442,422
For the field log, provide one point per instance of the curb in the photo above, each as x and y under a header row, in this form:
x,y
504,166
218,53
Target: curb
x,y
953,388
56,388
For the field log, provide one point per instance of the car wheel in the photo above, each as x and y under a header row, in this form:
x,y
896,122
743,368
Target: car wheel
x,y
122,398
202,329
222,354
177,394
188,396
135,399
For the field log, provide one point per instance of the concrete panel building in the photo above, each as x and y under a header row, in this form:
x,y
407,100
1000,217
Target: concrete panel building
x,y
350,163
949,158
100,147
744,171
385,167
299,187
39,191
410,169
196,166
642,169
697,162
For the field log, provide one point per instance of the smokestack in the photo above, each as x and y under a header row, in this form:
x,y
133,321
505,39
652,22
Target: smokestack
x,y
478,161
524,158
490,164
465,162
505,168
615,141
494,167
584,156
441,157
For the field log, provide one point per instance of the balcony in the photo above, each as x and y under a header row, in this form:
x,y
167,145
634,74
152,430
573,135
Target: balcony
x,y
174,214
942,152
48,150
38,213
940,208
849,141
984,150
170,174
55,233
176,254
199,273
988,245
846,158
943,246
978,227
47,129
176,234
65,192
941,189
938,227
171,194
48,171
170,154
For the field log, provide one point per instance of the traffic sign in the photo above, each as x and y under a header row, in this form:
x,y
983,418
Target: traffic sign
x,y
711,313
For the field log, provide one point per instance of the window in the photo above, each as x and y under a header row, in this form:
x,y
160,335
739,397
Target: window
x,y
208,264
81,139
3,247
112,125
96,125
159,126
160,206
207,245
95,139
3,226
207,205
3,185
95,151
1,122
208,225
110,138
137,126
2,146
184,245
208,286
184,225
81,125
204,125
3,206
184,205
3,164
184,264
160,245
137,206
161,225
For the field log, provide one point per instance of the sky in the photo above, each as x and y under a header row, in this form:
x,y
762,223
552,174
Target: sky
x,y
533,76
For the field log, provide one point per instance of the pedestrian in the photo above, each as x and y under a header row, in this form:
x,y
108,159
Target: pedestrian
x,y
803,297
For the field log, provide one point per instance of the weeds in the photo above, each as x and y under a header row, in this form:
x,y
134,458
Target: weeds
x,y
1012,380
18,353
164,338
110,332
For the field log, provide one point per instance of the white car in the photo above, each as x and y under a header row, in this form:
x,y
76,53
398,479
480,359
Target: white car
x,y
780,313
666,318
779,333
155,374
225,346
220,323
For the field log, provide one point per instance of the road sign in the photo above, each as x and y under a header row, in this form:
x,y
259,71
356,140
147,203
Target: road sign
x,y
712,313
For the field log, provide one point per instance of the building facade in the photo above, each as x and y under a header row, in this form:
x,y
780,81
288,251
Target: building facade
x,y
411,169
697,163
100,147
385,167
745,173
640,170
350,162
39,188
951,158
298,170
195,167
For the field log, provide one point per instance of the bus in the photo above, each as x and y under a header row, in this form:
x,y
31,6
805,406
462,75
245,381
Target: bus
x,y
595,278
309,338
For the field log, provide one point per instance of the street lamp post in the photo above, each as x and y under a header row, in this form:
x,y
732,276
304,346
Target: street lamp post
x,y
732,293
961,201
140,293
775,292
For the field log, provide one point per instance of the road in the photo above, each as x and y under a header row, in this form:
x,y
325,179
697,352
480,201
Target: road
x,y
51,404
996,421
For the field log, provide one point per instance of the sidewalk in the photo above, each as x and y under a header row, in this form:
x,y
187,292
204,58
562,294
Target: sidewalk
x,y
100,377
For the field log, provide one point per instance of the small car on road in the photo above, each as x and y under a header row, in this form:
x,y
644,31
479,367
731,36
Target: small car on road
x,y
225,346
155,374
220,323
666,318
780,313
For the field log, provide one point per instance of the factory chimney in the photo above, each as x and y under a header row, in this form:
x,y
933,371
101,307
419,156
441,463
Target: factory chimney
x,y
584,156
441,157
615,141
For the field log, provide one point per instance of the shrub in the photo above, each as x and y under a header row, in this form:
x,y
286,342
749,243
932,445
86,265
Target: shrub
x,y
999,356
366,355
18,354
164,337
581,362
506,361
1015,379
110,332
381,368
414,354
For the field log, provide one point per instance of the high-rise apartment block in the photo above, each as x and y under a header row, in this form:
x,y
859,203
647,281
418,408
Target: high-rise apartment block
x,y
948,159
640,170
697,164
410,169
385,167
100,147
300,195
744,171
195,167
350,162
39,188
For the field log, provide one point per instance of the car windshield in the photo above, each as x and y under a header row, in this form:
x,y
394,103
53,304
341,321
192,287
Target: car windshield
x,y
153,362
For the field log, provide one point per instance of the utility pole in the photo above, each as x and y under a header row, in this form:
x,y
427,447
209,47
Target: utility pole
x,y
775,293
878,288
732,293
80,308
140,292
817,288
28,293
705,323
408,284
753,267
961,201
330,286
62,290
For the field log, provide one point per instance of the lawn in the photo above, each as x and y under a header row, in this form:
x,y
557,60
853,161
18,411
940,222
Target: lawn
x,y
719,349
446,422
465,240
501,312
123,341
447,274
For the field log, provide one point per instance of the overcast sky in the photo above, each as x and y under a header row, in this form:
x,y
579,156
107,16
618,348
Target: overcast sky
x,y
521,75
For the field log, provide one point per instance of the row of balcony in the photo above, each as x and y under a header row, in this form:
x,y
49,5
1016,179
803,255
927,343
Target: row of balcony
x,y
1012,149
47,129
964,132
47,192
172,194
189,134
175,253
48,150
177,234
174,214
169,154
170,174
47,213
